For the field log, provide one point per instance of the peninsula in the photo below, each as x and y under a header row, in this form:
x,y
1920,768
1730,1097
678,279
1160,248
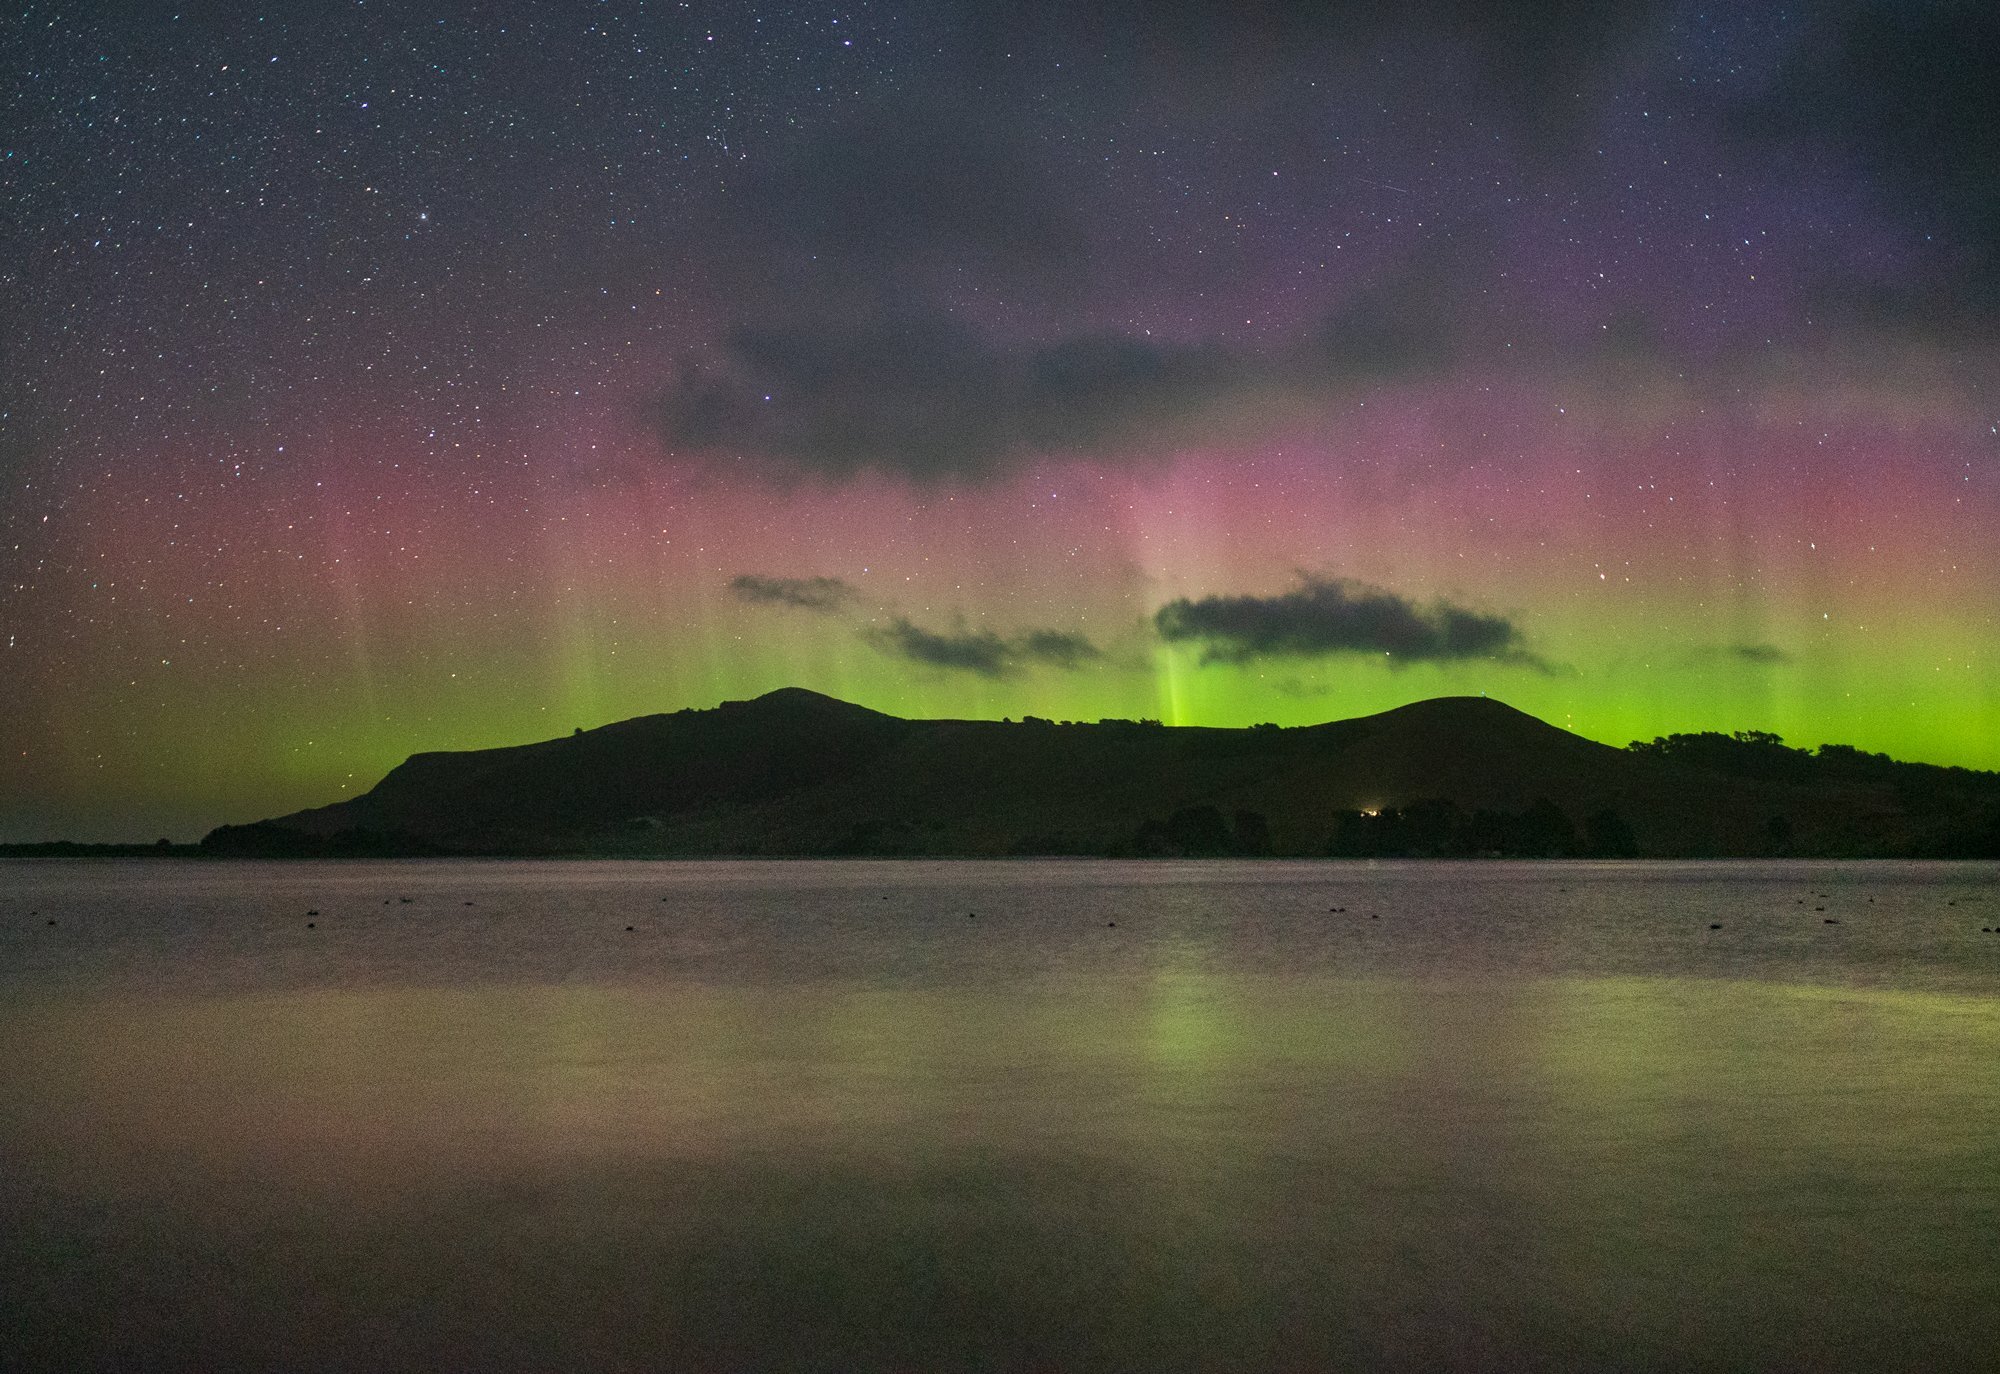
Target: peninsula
x,y
797,773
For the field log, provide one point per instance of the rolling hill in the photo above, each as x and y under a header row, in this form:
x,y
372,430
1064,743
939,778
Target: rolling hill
x,y
796,773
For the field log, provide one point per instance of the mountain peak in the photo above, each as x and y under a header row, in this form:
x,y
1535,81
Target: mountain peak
x,y
798,696
798,701
1481,708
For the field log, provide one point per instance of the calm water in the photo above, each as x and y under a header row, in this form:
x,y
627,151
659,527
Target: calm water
x,y
821,1115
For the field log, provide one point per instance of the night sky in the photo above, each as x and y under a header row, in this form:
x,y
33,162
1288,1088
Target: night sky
x,y
386,377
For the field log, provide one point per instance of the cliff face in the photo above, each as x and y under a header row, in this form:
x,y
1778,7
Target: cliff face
x,y
794,772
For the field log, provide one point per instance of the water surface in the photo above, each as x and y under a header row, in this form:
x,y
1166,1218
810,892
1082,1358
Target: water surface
x,y
1030,1115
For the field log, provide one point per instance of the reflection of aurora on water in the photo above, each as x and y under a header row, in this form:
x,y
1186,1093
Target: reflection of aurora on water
x,y
1536,1114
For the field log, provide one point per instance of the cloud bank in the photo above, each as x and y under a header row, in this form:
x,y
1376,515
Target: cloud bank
x,y
1325,616
922,397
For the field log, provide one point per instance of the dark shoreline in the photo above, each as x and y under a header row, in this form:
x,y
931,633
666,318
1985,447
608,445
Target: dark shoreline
x,y
67,849
79,849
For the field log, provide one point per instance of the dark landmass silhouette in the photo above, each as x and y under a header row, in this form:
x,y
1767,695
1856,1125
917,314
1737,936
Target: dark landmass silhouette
x,y
797,773
83,849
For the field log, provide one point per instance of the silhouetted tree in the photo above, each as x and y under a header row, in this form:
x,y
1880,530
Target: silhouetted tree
x,y
1745,754
1488,832
1355,836
1199,830
1432,828
1253,833
1607,836
1545,832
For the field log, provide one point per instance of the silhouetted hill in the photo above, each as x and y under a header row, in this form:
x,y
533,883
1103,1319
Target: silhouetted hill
x,y
794,772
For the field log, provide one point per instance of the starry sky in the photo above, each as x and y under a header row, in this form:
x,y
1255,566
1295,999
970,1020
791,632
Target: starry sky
x,y
387,377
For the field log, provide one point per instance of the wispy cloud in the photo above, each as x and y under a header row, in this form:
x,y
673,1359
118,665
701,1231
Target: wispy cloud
x,y
1763,655
982,652
1751,653
825,595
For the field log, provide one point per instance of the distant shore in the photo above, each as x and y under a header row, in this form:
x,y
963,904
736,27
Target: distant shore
x,y
73,849
77,849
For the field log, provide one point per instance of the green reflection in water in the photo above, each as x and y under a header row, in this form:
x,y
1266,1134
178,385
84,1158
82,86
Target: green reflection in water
x,y
1188,1168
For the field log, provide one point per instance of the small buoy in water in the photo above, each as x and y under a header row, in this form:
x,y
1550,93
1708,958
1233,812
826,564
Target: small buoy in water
x,y
51,922
971,915
1373,917
628,927
1111,925
311,924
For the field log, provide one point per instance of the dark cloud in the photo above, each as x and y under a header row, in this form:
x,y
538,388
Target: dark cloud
x,y
929,400
823,594
855,254
1747,653
1763,655
923,397
1057,648
1301,689
971,651
1335,616
982,652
